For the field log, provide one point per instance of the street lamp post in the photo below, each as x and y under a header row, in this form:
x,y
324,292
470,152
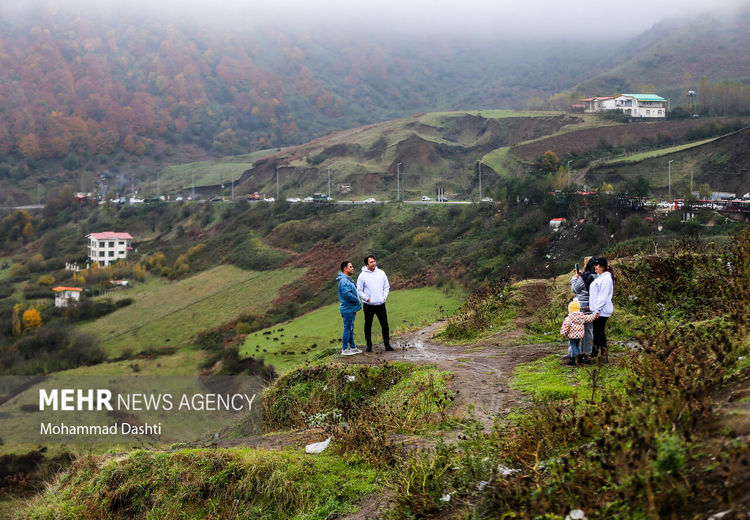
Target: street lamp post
x,y
192,193
669,179
277,183
398,181
568,168
329,182
232,185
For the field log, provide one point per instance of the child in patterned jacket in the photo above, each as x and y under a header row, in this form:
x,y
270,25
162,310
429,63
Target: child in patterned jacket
x,y
572,328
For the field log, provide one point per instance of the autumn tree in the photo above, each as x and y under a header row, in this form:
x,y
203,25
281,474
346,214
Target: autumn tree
x,y
548,162
31,319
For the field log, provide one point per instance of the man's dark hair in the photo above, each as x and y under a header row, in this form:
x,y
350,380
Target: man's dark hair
x,y
367,258
344,264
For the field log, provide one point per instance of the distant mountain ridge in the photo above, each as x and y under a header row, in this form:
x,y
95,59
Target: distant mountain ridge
x,y
675,53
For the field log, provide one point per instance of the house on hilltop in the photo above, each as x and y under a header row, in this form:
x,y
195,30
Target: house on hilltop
x,y
108,247
648,106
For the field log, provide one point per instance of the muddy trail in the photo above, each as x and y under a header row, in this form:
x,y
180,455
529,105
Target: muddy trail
x,y
483,370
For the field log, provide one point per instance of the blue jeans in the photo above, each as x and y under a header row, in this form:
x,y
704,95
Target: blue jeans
x,y
573,348
347,339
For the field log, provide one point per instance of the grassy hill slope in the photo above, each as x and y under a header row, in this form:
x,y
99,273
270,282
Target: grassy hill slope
x,y
171,314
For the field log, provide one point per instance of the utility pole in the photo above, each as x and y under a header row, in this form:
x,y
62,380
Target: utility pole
x,y
158,183
568,168
192,196
398,181
277,183
669,179
329,182
480,180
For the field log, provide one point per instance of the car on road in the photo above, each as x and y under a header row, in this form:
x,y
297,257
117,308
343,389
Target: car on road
x,y
425,198
369,200
487,199
293,199
178,199
269,199
664,205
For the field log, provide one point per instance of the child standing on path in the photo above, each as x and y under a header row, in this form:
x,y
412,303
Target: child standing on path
x,y
572,328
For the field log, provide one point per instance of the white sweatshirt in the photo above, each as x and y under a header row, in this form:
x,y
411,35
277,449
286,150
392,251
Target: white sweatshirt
x,y
373,286
600,295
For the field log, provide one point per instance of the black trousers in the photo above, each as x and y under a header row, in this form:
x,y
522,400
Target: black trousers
x,y
600,336
380,312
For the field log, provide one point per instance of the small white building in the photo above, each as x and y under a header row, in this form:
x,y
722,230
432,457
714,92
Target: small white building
x,y
109,246
598,104
556,223
67,296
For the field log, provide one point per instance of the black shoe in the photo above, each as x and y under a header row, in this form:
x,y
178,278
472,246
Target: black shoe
x,y
571,363
583,360
388,347
369,348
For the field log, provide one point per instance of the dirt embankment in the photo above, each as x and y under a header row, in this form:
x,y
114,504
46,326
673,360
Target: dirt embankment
x,y
626,135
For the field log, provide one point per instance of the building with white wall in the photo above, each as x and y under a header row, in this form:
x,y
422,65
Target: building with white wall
x,y
67,296
644,106
108,247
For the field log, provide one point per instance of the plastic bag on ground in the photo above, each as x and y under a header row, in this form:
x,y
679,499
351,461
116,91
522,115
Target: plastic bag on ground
x,y
317,447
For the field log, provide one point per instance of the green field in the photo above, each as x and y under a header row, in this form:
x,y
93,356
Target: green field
x,y
207,173
298,340
170,314
657,153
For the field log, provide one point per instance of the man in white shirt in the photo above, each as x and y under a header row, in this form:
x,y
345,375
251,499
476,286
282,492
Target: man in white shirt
x,y
373,287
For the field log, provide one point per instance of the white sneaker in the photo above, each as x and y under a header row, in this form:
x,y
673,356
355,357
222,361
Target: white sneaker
x,y
356,350
348,352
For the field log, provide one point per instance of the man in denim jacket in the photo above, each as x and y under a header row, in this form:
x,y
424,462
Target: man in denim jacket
x,y
348,306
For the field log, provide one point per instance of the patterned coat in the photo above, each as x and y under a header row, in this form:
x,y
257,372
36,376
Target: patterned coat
x,y
572,327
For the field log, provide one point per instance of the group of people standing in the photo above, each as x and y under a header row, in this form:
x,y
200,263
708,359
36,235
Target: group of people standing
x,y
370,294
586,322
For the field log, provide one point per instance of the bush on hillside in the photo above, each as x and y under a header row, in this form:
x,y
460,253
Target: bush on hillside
x,y
50,349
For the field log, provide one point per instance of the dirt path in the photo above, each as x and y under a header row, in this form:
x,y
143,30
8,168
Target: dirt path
x,y
482,372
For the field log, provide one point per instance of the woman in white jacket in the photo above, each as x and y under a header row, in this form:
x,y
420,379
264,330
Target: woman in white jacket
x,y
600,302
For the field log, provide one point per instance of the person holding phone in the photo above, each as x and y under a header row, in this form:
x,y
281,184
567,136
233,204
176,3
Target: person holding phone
x,y
579,285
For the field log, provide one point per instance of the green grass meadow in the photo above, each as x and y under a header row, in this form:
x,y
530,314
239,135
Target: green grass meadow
x,y
289,345
170,314
179,176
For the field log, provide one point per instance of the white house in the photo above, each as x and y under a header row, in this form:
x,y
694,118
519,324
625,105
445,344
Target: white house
x,y
556,223
642,105
67,296
108,247
598,104
633,105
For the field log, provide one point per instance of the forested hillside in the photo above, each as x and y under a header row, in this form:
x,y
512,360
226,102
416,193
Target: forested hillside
x,y
83,85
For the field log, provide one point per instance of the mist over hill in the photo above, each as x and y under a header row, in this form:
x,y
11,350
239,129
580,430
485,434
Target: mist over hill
x,y
87,91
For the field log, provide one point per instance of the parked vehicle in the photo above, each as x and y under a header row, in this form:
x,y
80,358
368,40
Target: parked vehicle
x,y
487,199
320,197
426,198
369,200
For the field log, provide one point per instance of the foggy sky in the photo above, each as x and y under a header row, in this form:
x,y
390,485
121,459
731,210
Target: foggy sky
x,y
531,19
